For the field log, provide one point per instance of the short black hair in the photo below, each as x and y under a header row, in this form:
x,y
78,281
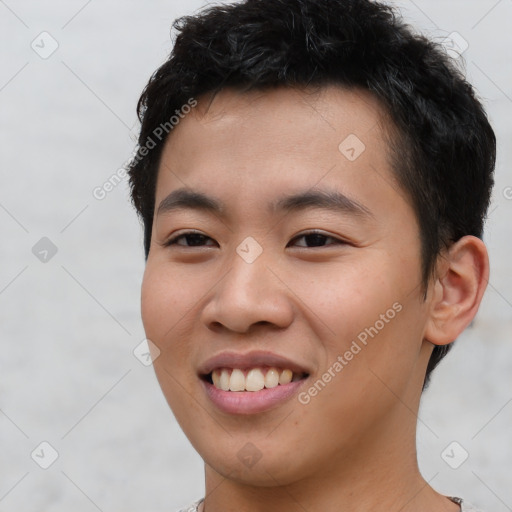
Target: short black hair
x,y
443,150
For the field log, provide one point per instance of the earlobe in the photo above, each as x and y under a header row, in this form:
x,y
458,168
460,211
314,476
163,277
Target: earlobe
x,y
461,279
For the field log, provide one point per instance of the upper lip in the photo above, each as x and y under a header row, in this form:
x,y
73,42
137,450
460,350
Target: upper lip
x,y
248,360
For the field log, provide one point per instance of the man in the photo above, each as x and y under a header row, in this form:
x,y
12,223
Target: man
x,y
313,179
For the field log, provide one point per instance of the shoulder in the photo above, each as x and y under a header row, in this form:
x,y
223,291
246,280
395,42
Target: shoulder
x,y
464,506
193,507
467,507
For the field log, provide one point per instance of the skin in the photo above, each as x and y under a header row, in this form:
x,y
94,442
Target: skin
x,y
352,447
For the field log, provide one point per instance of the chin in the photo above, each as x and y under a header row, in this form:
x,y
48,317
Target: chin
x,y
248,465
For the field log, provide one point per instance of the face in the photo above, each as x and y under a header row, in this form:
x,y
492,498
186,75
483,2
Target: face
x,y
282,248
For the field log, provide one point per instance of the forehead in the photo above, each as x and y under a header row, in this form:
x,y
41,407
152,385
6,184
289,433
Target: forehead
x,y
248,145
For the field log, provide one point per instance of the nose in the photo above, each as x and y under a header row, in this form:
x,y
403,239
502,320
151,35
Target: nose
x,y
249,294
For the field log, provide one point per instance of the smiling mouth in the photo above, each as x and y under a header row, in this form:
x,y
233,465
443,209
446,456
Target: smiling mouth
x,y
251,379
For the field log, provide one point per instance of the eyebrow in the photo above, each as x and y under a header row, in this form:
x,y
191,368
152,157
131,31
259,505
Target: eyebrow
x,y
326,199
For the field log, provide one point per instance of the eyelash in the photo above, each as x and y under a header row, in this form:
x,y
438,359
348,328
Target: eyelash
x,y
172,241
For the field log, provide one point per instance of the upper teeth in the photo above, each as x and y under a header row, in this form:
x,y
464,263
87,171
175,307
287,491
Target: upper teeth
x,y
255,379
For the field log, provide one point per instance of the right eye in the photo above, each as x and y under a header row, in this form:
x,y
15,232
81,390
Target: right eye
x,y
194,237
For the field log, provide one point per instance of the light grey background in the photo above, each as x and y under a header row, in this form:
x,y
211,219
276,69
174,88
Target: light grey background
x,y
68,326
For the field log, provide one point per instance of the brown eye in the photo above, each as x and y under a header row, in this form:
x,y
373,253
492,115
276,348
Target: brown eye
x,y
316,239
193,238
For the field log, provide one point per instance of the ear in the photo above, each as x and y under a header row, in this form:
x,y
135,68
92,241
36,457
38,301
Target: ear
x,y
462,274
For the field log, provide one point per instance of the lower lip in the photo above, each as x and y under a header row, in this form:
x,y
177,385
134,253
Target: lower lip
x,y
251,402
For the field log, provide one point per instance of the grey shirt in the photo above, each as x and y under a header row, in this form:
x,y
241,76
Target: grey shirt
x,y
464,506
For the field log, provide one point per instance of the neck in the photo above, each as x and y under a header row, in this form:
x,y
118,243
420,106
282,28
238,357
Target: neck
x,y
384,476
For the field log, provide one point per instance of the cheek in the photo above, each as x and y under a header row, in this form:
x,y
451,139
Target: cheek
x,y
154,298
373,314
348,298
165,301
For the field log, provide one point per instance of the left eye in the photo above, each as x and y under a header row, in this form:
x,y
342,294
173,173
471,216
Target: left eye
x,y
316,238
